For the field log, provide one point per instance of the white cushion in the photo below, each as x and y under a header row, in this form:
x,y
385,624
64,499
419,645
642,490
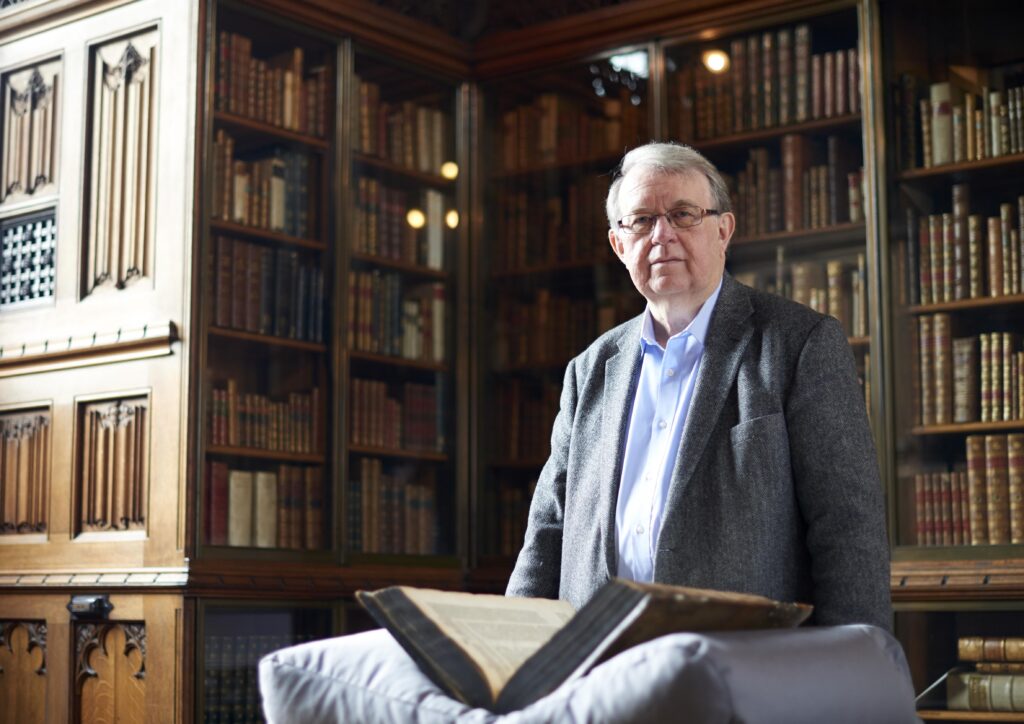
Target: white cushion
x,y
835,674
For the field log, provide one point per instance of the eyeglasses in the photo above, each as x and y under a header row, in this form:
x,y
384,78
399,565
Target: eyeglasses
x,y
681,217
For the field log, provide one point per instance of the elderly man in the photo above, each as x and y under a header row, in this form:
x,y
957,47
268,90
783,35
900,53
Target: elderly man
x,y
719,439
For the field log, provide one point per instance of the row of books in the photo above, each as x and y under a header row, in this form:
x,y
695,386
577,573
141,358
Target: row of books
x,y
411,421
280,508
960,125
254,420
837,287
415,135
559,128
385,318
528,410
267,189
535,227
268,291
983,505
959,255
393,509
967,379
278,90
772,79
383,228
815,186
549,328
231,674
991,675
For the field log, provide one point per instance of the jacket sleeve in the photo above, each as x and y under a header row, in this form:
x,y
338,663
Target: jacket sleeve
x,y
838,487
537,571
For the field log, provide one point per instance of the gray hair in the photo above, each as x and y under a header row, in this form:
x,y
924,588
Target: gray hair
x,y
671,158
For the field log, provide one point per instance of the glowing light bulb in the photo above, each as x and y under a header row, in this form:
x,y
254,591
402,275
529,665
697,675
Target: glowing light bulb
x,y
416,218
715,60
452,219
450,170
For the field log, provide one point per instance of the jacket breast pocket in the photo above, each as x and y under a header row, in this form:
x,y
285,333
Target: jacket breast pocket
x,y
760,451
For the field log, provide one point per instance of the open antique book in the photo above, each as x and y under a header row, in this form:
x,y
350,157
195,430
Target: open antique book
x,y
504,653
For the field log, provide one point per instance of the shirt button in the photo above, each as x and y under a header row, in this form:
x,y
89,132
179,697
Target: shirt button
x,y
671,372
662,424
639,529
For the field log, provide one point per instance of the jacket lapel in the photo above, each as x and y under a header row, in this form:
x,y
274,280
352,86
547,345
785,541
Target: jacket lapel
x,y
622,371
728,335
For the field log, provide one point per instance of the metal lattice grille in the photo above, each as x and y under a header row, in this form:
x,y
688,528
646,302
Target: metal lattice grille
x,y
28,249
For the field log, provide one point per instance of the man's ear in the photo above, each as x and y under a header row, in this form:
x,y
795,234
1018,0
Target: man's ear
x,y
617,247
726,227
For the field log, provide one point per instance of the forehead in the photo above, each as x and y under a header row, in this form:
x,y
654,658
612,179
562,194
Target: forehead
x,y
650,186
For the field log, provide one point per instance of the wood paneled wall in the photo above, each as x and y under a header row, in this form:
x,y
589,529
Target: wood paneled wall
x,y
24,471
23,675
31,130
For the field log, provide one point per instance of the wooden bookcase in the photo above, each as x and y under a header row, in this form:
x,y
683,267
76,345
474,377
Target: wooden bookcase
x,y
953,226
549,143
274,318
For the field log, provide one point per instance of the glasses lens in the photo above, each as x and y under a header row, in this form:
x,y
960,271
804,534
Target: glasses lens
x,y
683,217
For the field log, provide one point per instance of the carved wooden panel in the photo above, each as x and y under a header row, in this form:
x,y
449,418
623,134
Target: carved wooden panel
x,y
22,671
113,475
118,234
24,471
31,131
110,673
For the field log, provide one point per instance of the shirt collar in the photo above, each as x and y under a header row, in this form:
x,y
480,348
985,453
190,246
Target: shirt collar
x,y
698,327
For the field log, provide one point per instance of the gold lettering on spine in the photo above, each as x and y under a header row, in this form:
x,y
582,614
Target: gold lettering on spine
x,y
121,191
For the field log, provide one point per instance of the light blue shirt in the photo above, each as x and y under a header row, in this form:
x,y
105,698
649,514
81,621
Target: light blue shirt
x,y
660,408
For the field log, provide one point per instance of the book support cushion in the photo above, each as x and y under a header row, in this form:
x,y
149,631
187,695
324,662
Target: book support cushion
x,y
836,674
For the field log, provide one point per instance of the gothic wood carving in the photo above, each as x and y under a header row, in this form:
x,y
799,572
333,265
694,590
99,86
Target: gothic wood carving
x,y
22,671
24,471
114,465
31,131
110,663
121,137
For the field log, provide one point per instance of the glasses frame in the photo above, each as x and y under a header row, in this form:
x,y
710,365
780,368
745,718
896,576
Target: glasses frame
x,y
666,214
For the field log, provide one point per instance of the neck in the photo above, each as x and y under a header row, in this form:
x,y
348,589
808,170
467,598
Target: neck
x,y
672,316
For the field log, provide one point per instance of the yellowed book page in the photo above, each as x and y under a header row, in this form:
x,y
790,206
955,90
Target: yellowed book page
x,y
498,632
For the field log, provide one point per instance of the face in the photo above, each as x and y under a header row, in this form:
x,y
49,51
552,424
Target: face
x,y
672,265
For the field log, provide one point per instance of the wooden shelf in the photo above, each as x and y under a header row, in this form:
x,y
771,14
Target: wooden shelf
x,y
857,342
387,452
527,465
964,168
395,170
267,339
230,227
964,428
384,359
251,125
749,138
533,367
991,575
827,236
399,265
279,455
967,304
983,716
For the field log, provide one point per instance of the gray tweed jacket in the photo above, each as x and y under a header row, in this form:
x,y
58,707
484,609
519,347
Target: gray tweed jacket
x,y
775,490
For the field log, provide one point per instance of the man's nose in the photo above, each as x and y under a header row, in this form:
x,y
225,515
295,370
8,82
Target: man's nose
x,y
663,232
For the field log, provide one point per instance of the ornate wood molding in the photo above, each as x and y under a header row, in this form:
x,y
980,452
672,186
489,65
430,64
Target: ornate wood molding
x,y
927,581
121,345
90,637
129,578
31,136
36,631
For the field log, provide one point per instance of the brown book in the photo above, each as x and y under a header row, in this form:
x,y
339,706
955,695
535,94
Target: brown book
x,y
977,489
802,72
817,86
944,496
1000,667
985,356
920,512
976,250
794,163
1009,345
927,147
755,79
853,80
940,292
927,368
995,257
942,360
786,78
949,259
1015,485
956,509
961,248
828,81
990,648
997,489
925,261
451,635
966,377
842,94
